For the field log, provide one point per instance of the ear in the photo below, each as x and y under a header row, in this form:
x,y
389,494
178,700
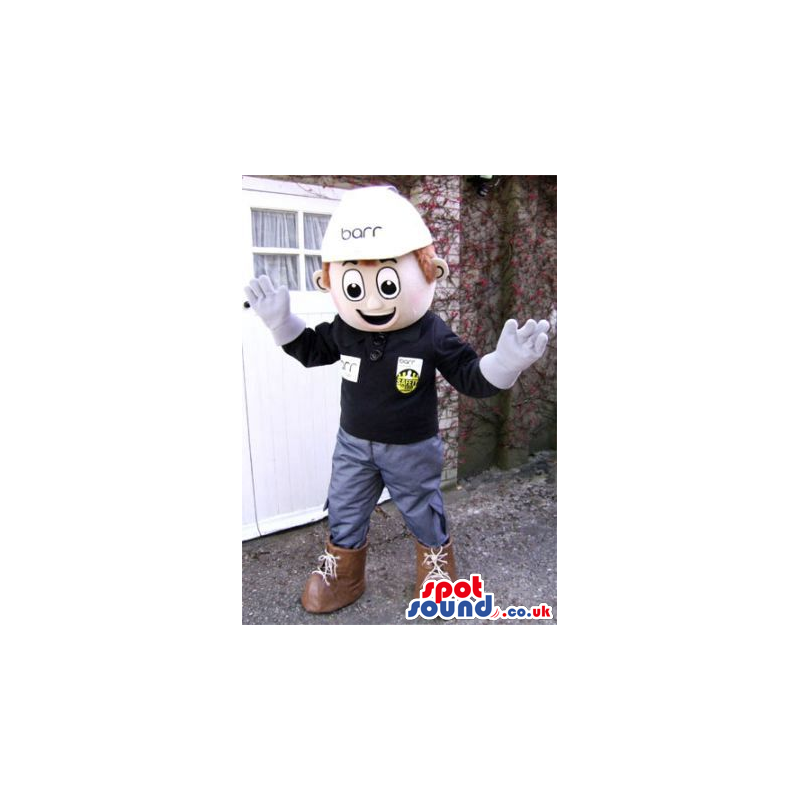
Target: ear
x,y
442,270
317,278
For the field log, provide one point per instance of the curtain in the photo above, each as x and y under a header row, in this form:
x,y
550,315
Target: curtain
x,y
282,270
274,228
314,226
313,263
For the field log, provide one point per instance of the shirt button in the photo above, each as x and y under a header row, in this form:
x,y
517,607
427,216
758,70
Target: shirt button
x,y
375,355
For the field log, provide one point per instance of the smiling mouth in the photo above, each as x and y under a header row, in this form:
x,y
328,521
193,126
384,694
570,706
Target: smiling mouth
x,y
380,319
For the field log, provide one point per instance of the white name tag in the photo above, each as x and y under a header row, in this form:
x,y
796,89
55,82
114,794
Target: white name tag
x,y
414,364
350,368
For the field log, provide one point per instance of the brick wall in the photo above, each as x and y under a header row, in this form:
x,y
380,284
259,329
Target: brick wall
x,y
438,198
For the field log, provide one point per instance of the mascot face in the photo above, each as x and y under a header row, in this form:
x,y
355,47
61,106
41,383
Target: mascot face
x,y
380,295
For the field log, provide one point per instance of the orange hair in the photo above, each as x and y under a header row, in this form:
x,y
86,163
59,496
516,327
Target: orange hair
x,y
425,256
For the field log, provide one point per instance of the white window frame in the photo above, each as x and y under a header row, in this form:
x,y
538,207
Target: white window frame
x,y
265,194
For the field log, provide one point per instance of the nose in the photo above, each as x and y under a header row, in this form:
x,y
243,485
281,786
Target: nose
x,y
373,302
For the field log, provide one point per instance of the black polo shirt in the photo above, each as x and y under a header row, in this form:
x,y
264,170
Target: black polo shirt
x,y
389,379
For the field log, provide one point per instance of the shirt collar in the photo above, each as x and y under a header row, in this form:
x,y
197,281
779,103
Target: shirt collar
x,y
407,335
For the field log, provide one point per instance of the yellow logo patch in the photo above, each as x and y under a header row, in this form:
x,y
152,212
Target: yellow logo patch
x,y
407,381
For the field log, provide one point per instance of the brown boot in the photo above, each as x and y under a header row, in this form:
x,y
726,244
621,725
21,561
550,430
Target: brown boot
x,y
338,582
435,564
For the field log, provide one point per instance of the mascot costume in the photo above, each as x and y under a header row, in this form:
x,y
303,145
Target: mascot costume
x,y
380,265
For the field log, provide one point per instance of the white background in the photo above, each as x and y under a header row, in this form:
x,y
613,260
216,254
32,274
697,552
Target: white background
x,y
672,131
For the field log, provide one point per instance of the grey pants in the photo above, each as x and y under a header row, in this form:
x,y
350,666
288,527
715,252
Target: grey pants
x,y
411,472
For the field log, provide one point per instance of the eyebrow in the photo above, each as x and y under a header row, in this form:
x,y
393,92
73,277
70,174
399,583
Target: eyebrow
x,y
384,260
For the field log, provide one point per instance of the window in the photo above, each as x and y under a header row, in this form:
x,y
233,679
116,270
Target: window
x,y
286,237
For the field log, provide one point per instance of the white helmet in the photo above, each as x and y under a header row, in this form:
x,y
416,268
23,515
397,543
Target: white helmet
x,y
373,223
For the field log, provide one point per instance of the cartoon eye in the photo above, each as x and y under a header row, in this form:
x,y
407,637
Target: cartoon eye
x,y
353,285
388,283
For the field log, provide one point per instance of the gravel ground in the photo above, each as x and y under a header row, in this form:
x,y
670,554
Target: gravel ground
x,y
503,525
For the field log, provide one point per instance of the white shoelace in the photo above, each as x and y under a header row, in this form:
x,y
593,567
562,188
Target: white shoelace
x,y
327,566
437,561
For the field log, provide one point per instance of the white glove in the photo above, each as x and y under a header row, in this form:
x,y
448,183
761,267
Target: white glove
x,y
272,305
516,350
